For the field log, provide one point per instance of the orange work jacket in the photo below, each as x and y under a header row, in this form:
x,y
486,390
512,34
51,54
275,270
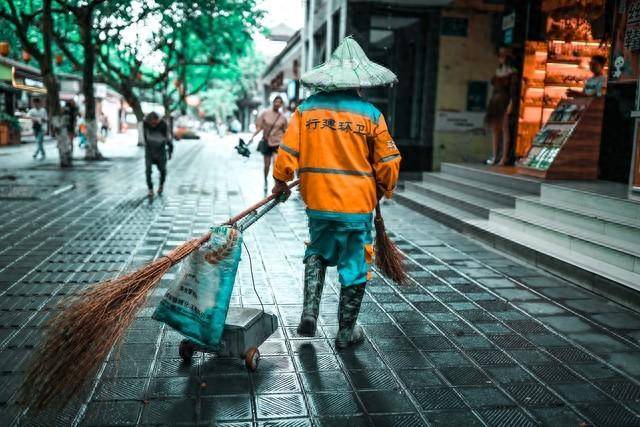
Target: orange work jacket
x,y
341,148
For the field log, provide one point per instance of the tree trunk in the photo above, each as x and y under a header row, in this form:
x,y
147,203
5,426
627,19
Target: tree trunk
x,y
137,110
134,102
65,147
168,111
85,21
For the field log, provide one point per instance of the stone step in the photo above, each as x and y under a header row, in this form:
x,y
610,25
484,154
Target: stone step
x,y
440,211
503,196
622,254
557,212
592,273
484,175
597,275
615,207
475,205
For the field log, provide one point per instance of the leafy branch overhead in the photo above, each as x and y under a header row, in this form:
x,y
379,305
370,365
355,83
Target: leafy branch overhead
x,y
172,48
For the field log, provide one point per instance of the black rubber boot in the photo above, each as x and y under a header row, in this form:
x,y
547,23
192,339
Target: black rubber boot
x,y
314,273
350,300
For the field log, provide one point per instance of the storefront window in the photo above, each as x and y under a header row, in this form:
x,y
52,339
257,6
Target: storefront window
x,y
320,45
335,41
395,40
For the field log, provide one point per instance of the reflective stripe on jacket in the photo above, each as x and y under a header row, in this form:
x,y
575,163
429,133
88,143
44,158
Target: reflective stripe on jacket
x,y
328,143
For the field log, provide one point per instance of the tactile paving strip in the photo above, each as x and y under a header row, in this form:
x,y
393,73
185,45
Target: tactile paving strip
x,y
438,398
332,404
490,357
610,415
553,373
533,395
571,355
507,417
464,376
266,382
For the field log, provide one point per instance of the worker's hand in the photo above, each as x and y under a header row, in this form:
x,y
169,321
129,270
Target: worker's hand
x,y
282,189
379,193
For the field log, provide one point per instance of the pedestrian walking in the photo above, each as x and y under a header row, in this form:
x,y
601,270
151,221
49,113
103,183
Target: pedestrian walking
x,y
104,126
82,132
158,148
71,114
38,116
340,146
272,123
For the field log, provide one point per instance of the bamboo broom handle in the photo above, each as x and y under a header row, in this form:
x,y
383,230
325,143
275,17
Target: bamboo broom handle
x,y
205,237
261,203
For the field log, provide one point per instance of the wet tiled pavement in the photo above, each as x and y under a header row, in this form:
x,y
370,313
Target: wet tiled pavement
x,y
475,339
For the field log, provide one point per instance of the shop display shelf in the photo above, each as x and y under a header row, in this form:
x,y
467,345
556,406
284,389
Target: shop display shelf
x,y
560,61
570,123
564,85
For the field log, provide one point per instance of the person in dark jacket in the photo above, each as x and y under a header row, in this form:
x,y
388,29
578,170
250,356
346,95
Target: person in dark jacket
x,y
158,147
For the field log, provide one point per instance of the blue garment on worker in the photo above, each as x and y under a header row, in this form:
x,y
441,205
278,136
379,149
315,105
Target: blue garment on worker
x,y
346,244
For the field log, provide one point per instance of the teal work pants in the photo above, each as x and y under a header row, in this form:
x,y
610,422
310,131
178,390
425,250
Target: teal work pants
x,y
347,245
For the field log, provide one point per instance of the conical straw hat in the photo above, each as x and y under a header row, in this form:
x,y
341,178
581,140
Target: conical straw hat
x,y
348,68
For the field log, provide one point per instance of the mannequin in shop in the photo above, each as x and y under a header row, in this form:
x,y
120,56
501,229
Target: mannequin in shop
x,y
501,106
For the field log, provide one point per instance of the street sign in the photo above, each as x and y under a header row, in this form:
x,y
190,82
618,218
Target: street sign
x,y
509,21
508,36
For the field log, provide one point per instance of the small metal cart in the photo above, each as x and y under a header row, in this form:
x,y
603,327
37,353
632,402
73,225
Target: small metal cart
x,y
244,331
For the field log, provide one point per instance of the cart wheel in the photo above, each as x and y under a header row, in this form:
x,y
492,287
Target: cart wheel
x,y
186,350
252,359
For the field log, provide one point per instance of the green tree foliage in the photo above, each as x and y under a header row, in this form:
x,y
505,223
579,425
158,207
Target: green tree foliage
x,y
33,22
161,50
178,48
240,82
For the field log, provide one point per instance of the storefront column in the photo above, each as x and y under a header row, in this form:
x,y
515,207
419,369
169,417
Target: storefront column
x,y
310,31
343,19
303,36
634,176
329,38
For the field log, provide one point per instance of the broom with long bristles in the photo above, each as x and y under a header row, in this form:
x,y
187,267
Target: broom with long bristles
x,y
81,336
389,259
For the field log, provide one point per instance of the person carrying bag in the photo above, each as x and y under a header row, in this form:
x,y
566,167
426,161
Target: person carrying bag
x,y
273,124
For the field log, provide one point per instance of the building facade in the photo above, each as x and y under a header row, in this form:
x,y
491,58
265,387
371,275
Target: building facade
x,y
282,75
443,52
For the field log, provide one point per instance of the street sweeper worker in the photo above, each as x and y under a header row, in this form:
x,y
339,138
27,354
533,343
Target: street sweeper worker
x,y
340,146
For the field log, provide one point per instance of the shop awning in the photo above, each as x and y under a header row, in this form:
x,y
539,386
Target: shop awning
x,y
28,81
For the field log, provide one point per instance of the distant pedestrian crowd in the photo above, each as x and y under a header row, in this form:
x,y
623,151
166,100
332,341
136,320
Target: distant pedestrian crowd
x,y
74,124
